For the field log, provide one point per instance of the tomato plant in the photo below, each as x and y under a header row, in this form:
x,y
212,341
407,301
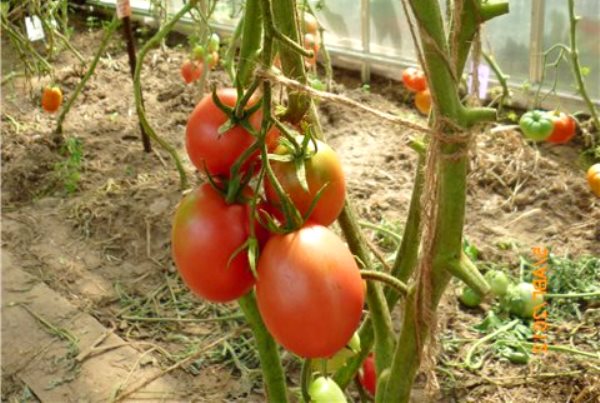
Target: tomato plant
x,y
309,291
191,71
414,79
206,146
367,375
593,178
206,233
51,98
423,101
536,125
323,171
325,390
564,128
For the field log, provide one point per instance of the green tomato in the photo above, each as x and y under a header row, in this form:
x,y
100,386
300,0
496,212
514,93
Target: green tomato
x,y
536,125
198,52
213,42
325,390
469,297
498,282
340,358
521,300
317,84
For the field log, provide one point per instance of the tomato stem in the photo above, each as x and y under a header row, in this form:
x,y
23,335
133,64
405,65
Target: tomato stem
x,y
305,379
386,279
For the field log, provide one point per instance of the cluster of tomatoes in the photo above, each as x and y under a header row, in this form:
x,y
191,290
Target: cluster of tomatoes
x,y
305,276
51,98
192,68
554,127
415,81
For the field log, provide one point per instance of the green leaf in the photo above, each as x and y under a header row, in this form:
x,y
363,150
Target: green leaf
x,y
313,204
238,251
253,255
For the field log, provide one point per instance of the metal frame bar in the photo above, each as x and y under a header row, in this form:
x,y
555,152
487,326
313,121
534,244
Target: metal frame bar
x,y
365,34
536,42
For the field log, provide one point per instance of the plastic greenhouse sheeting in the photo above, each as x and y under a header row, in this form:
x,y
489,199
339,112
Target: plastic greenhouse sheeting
x,y
508,37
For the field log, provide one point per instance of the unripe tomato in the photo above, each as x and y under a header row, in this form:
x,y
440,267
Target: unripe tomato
x,y
593,178
536,125
213,42
205,145
498,282
423,101
414,80
325,390
51,98
309,291
469,297
564,128
191,71
323,169
212,59
198,53
310,24
367,375
206,233
522,300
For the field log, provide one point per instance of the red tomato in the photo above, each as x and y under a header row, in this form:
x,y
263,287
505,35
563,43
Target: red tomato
x,y
206,232
367,376
564,128
414,79
423,102
309,291
51,98
322,169
205,145
191,71
593,178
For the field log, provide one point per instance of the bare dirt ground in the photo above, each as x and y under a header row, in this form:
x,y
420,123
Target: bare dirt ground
x,y
103,251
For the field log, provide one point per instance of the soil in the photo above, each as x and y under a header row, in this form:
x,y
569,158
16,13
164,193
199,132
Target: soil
x,y
105,247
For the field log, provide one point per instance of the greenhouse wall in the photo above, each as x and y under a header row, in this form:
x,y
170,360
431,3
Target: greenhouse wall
x,y
374,36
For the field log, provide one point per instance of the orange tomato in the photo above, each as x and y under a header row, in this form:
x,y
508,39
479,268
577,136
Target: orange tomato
x,y
311,42
593,178
51,98
414,80
310,24
423,101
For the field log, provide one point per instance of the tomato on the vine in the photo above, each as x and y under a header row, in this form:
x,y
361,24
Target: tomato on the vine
x,y
564,127
423,101
51,98
523,300
198,52
498,282
191,71
469,297
309,291
323,171
213,42
212,59
367,375
204,143
414,79
310,24
311,42
325,390
206,234
593,178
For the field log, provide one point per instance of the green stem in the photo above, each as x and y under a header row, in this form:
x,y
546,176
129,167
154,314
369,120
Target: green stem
x,y
386,279
274,378
468,362
378,309
251,39
283,18
137,89
573,295
110,30
502,79
466,271
305,379
577,66
562,349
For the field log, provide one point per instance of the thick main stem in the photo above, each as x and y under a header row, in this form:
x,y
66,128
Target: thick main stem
x,y
90,71
274,378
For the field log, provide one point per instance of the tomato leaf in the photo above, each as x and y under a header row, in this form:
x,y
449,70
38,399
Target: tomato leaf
x,y
237,252
280,158
313,204
253,255
301,173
